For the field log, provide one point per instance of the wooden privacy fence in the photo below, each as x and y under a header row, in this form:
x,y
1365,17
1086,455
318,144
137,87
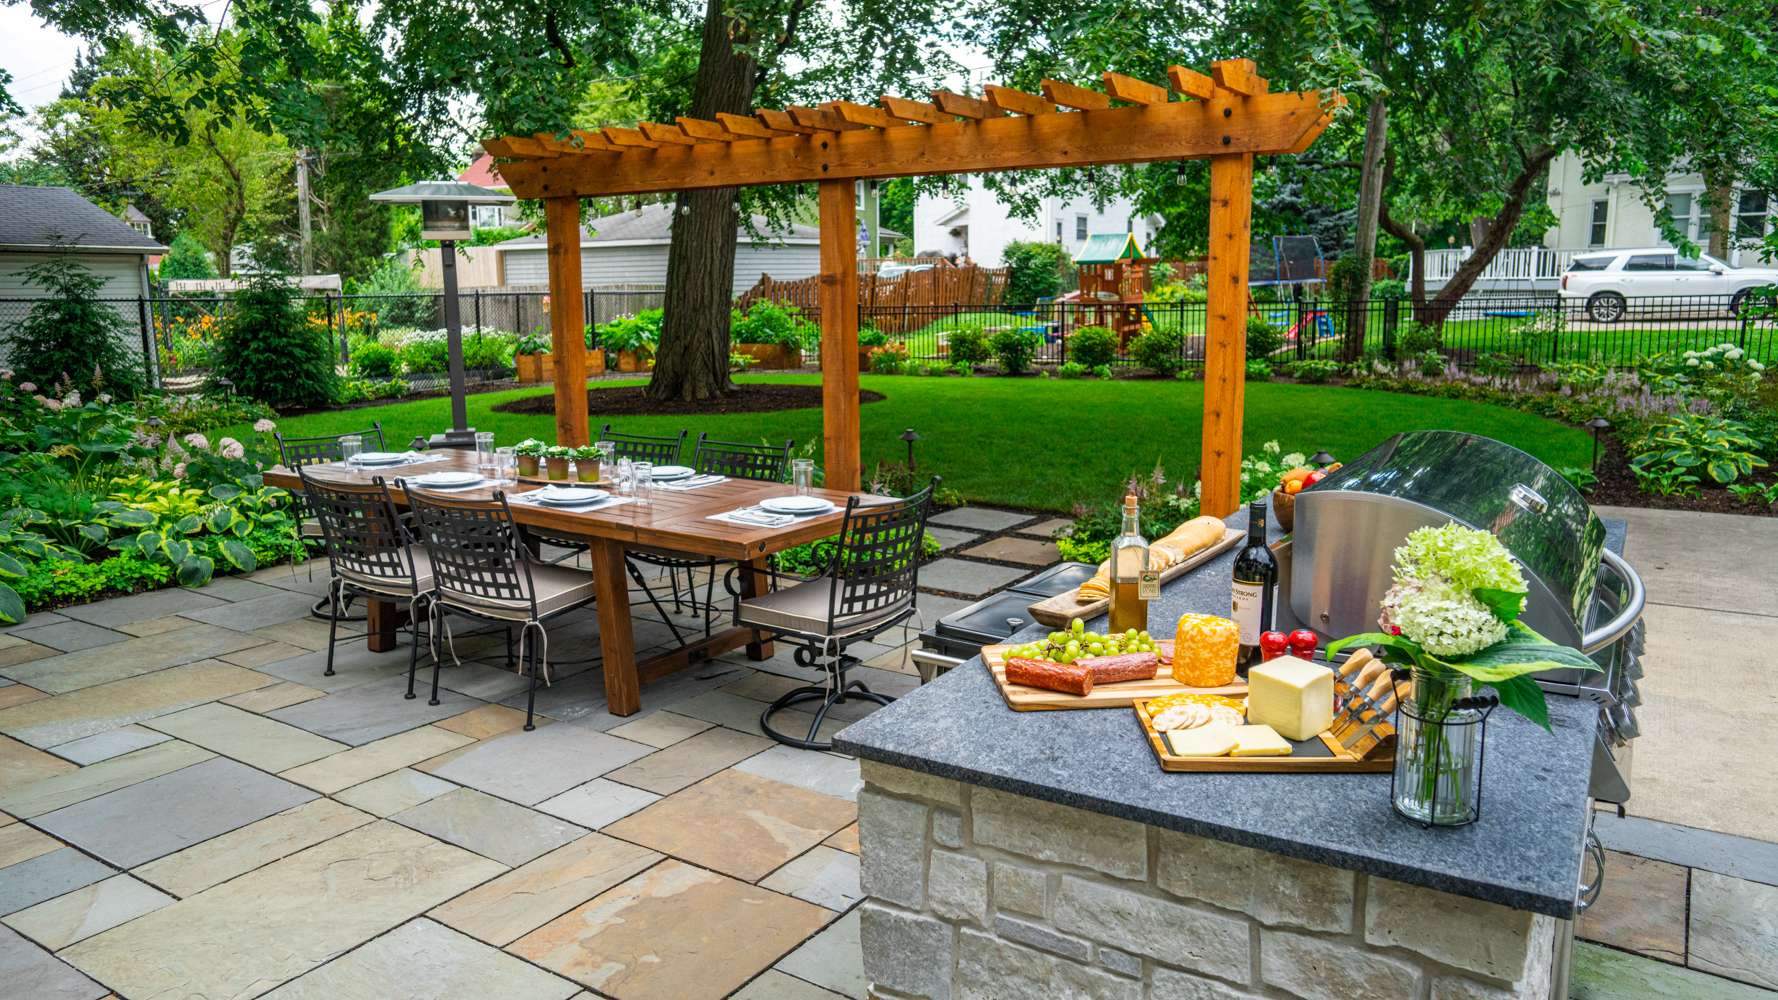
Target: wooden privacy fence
x,y
915,293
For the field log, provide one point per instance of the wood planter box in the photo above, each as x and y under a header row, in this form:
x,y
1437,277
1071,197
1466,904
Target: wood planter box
x,y
535,367
770,356
634,361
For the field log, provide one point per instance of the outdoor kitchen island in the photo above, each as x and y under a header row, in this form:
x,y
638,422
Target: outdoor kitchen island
x,y
1046,855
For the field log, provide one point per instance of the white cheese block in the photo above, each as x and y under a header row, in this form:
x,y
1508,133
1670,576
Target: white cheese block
x,y
1208,741
1291,695
1258,741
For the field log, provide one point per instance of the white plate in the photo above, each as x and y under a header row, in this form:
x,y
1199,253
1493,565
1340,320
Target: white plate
x,y
569,496
447,480
378,458
796,505
668,473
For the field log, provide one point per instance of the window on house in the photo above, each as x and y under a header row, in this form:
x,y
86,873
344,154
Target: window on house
x,y
1596,233
1080,227
1058,230
1753,212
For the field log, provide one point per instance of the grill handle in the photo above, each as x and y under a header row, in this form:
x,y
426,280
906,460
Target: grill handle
x,y
1634,598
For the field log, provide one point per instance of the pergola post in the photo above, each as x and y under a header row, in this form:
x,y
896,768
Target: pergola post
x,y
567,318
1225,331
839,334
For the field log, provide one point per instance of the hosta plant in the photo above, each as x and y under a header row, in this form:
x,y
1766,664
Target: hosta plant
x,y
1690,442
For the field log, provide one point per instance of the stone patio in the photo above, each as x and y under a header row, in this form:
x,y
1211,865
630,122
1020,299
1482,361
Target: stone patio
x,y
188,808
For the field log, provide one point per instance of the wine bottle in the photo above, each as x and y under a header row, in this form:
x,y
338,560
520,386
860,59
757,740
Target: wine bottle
x,y
1132,584
1256,577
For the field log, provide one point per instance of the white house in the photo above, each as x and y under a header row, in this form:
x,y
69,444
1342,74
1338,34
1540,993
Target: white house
x,y
972,221
630,248
1610,212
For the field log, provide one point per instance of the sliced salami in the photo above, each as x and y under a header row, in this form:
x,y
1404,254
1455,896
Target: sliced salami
x,y
1123,667
1069,678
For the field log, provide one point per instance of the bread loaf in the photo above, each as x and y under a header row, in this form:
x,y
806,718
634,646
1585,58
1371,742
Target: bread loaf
x,y
1180,544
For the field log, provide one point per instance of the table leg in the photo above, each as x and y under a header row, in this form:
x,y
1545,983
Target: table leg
x,y
754,582
381,621
622,686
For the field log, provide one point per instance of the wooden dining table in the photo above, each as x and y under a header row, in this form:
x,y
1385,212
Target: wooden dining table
x,y
673,520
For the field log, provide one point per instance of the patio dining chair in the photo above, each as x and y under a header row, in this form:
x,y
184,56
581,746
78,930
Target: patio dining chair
x,y
371,555
867,589
660,449
483,570
294,453
737,460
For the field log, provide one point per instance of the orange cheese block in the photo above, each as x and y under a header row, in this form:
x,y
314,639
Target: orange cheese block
x,y
1204,650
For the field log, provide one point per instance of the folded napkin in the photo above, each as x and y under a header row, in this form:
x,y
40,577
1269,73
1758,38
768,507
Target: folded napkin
x,y
692,483
762,518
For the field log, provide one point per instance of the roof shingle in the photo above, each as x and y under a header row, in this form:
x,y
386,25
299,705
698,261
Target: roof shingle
x,y
44,217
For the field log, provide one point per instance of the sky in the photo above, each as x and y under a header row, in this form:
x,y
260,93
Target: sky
x,y
38,57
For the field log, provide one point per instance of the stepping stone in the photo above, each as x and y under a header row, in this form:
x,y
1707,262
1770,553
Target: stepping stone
x,y
669,932
775,985
272,925
252,846
104,746
530,767
252,739
128,658
951,538
536,892
1011,548
29,971
92,710
60,922
660,730
422,960
666,771
979,518
371,711
1602,973
817,772
762,823
141,607
360,764
491,827
46,877
932,607
970,578
824,876
94,780
1734,928
165,814
71,636
598,803
394,792
1641,909
833,958
1047,529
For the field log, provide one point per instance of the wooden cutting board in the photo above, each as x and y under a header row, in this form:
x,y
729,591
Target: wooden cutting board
x,y
1058,611
1322,755
1020,698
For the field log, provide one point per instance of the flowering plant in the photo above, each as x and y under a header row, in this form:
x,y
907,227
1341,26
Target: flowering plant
x,y
530,446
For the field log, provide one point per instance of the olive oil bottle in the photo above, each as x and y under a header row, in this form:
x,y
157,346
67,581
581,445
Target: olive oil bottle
x,y
1133,584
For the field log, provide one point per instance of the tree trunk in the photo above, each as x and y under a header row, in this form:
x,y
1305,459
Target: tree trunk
x,y
1719,193
1370,198
1405,233
691,362
1499,231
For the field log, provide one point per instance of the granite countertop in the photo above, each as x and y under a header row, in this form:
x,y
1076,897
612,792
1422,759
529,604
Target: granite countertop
x,y
1524,851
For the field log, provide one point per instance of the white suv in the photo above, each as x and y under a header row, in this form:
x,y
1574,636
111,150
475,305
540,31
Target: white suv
x,y
1607,281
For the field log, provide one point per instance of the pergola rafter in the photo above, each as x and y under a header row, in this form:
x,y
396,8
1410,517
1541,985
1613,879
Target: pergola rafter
x,y
1227,117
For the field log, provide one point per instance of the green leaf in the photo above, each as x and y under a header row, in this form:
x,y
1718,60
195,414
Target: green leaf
x,y
242,528
31,545
12,607
1722,470
1522,695
1383,639
220,518
195,571
94,533
178,550
239,555
1515,657
225,491
11,567
132,518
1506,604
190,524
149,542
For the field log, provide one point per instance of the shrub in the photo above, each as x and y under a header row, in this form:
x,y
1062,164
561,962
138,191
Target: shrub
x,y
1430,361
425,356
633,333
487,351
767,322
870,336
1101,371
1495,364
1014,349
1263,339
739,362
1093,346
1071,370
271,352
70,336
1415,338
888,360
1259,370
1312,369
537,343
959,368
394,294
1388,288
1033,271
1160,351
374,360
186,259
969,346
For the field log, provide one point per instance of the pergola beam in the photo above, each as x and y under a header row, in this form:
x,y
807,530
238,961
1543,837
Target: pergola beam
x,y
903,109
1017,101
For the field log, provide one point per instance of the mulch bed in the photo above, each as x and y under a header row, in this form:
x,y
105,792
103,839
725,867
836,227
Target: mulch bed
x,y
1617,487
628,401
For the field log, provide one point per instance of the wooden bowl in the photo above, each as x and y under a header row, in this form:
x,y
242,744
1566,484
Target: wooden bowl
x,y
1284,509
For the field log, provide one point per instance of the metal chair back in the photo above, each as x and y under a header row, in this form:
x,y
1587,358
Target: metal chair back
x,y
364,537
296,452
738,460
658,449
476,554
877,566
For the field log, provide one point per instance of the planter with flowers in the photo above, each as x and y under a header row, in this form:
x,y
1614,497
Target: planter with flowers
x,y
555,458
586,463
530,454
532,359
1451,624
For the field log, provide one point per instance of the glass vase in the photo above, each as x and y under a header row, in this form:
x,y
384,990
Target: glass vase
x,y
1438,751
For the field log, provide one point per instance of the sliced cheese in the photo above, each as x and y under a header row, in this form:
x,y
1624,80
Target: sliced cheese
x,y
1204,650
1291,695
1209,741
1259,741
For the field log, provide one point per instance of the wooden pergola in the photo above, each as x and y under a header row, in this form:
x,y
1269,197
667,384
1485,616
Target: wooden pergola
x,y
1227,117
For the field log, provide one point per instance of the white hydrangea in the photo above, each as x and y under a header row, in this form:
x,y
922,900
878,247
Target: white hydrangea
x,y
1444,620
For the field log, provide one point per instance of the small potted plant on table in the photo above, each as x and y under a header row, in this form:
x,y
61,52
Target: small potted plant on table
x,y
529,452
586,463
556,457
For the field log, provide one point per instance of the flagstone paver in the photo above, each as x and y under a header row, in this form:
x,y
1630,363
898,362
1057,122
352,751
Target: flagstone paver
x,y
155,626
16,650
29,971
19,842
47,876
252,739
832,959
951,538
258,612
1047,528
742,714
129,658
60,922
368,712
394,792
538,891
93,780
104,746
274,697
422,960
274,924
485,722
489,683
353,665
980,518
95,709
72,636
21,764
530,767
254,657
1012,548
1607,974
15,693
846,840
1734,928
763,823
775,985
829,774
598,803
360,764
666,771
824,876
494,828
962,576
660,730
1641,908
307,633
143,606
668,934
255,845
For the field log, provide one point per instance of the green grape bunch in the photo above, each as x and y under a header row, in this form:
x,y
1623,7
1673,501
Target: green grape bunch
x,y
1076,642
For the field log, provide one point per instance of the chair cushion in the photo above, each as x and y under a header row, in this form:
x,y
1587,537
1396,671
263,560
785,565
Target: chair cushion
x,y
395,586
804,606
310,528
558,588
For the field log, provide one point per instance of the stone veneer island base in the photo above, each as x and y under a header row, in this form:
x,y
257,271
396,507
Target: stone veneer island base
x,y
979,894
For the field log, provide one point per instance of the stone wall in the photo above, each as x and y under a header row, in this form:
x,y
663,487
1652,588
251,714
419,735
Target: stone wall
x,y
977,894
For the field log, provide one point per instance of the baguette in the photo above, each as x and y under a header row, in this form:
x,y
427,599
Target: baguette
x,y
1181,543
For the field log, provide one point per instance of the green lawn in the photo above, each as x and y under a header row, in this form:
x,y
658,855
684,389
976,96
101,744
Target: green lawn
x,y
1044,444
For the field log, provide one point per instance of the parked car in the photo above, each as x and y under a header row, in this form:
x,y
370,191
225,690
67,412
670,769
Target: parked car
x,y
899,268
1609,284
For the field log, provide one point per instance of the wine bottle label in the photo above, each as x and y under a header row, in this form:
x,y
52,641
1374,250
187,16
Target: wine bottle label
x,y
1249,598
1148,586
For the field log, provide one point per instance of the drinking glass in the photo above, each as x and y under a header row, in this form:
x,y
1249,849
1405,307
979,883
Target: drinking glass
x,y
642,476
607,459
625,479
506,463
802,475
484,454
350,446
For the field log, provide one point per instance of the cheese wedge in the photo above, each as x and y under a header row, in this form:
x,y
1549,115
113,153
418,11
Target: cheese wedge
x,y
1259,741
1208,741
1291,695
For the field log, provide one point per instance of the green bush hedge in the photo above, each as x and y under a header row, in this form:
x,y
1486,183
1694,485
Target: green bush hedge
x,y
1014,349
1160,351
374,360
969,346
271,352
1093,346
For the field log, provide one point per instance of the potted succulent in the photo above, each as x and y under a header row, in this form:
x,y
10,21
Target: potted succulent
x,y
555,458
586,463
532,360
529,452
771,333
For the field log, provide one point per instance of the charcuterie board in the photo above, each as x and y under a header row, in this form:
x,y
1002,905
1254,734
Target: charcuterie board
x,y
1058,611
1322,755
1020,698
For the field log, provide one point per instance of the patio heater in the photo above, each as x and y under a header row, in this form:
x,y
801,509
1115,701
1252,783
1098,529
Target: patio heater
x,y
444,216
